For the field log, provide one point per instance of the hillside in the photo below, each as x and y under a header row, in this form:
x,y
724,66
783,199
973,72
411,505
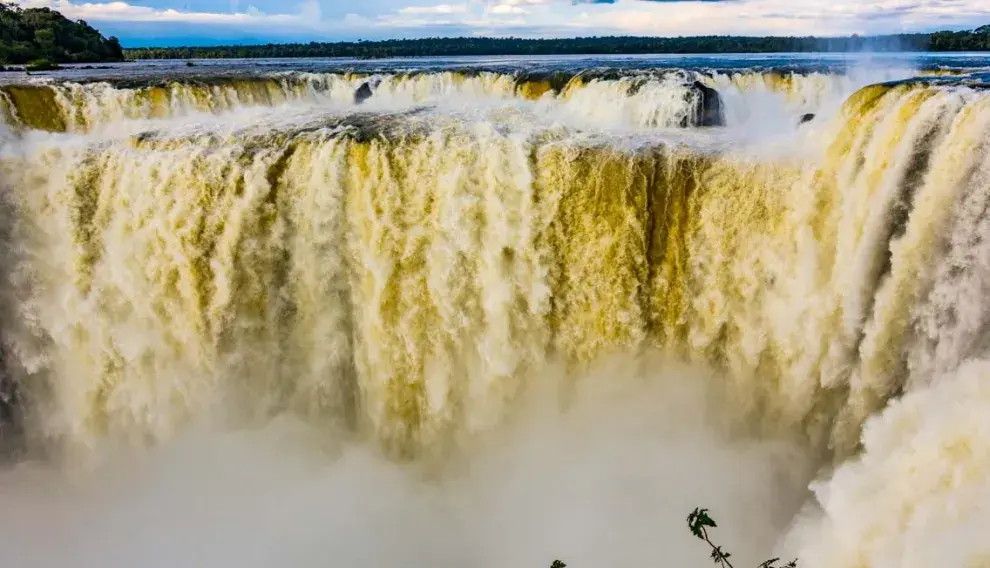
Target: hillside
x,y
40,33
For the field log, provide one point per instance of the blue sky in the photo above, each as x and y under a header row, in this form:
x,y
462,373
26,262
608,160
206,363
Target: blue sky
x,y
177,22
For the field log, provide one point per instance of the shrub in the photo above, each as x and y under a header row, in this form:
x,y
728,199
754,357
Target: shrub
x,y
699,522
42,65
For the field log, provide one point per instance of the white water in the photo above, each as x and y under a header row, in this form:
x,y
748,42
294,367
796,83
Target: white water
x,y
609,483
449,338
754,102
919,496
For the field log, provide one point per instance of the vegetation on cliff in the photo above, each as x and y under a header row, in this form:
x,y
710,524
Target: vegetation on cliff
x,y
44,35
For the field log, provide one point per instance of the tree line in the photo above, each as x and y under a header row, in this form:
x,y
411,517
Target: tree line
x,y
976,40
41,34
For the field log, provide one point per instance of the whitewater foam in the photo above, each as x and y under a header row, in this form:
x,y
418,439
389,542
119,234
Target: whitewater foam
x,y
386,292
608,481
755,102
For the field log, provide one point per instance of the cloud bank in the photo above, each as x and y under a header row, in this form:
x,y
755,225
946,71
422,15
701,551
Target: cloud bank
x,y
175,21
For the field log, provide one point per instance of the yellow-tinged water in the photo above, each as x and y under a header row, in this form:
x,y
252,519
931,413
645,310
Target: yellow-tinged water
x,y
645,100
409,278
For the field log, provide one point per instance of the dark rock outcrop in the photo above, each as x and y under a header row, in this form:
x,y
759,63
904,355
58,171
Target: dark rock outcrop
x,y
807,118
10,417
8,402
363,93
533,84
708,109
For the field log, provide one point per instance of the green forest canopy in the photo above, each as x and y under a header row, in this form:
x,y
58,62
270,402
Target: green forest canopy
x,y
976,40
40,33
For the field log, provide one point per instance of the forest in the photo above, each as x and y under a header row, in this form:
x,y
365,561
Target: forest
x,y
41,34
976,40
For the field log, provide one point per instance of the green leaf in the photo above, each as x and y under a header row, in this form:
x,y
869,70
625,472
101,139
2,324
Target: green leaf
x,y
718,555
698,520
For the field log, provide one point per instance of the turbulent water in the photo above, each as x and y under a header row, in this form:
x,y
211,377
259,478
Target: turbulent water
x,y
496,316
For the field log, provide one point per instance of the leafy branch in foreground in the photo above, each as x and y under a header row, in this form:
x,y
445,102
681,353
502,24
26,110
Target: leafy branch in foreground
x,y
699,522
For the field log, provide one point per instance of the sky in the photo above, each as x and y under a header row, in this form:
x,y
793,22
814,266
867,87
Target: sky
x,y
209,22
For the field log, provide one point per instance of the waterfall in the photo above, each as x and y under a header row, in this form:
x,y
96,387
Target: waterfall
x,y
600,99
407,273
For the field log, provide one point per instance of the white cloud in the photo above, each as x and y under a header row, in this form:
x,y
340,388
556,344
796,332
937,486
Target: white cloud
x,y
438,9
507,9
124,12
383,18
523,2
786,17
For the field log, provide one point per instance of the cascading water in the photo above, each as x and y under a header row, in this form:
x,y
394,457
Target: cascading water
x,y
500,283
596,99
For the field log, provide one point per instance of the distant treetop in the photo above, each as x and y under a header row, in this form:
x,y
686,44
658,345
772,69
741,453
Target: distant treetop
x,y
43,34
977,40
